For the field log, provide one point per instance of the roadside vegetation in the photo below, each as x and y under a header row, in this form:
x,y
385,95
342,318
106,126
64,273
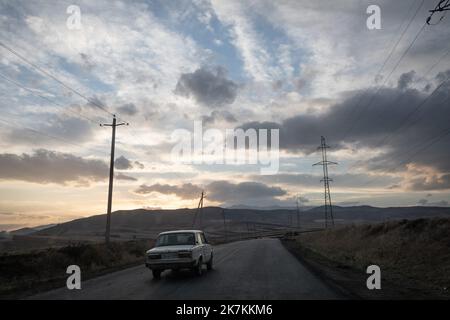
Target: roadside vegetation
x,y
23,274
414,257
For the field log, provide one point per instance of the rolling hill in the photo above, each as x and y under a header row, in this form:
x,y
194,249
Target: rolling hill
x,y
143,223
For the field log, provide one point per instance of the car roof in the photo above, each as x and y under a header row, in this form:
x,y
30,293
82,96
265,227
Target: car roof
x,y
181,231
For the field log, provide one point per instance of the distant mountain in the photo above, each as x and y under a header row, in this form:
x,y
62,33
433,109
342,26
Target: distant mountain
x,y
27,231
366,213
126,224
243,206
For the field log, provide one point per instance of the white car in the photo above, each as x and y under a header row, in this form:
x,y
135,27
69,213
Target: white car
x,y
182,249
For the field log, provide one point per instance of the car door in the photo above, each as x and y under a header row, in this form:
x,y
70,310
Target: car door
x,y
200,246
207,247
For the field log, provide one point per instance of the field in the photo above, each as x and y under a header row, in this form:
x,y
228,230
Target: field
x,y
414,257
27,273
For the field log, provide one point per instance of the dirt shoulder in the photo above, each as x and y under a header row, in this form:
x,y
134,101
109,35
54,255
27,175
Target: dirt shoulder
x,y
414,257
25,274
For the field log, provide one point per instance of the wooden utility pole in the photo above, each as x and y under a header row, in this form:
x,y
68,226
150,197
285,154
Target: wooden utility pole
x,y
111,175
199,210
225,225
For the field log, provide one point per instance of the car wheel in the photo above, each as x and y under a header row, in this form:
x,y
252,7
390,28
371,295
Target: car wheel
x,y
209,265
198,267
156,274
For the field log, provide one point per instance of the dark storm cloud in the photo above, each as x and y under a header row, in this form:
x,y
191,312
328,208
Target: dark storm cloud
x,y
45,166
441,182
209,87
220,191
121,176
303,199
128,109
72,129
86,61
425,202
96,102
122,163
224,191
422,202
442,76
138,165
405,80
377,124
217,116
185,191
349,180
348,203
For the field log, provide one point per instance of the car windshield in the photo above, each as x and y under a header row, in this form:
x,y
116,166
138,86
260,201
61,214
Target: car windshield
x,y
175,239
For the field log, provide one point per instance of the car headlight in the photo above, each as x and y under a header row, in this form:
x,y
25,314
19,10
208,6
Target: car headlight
x,y
154,256
185,254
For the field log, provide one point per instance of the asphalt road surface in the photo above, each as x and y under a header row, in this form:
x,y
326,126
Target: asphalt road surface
x,y
251,269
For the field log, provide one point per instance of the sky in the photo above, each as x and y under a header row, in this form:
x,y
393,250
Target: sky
x,y
380,97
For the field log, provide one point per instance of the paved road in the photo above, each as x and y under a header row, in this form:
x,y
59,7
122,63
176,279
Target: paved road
x,y
251,269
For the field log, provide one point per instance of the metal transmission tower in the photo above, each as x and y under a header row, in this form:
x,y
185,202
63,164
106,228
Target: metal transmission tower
x,y
324,163
199,210
114,124
298,214
443,6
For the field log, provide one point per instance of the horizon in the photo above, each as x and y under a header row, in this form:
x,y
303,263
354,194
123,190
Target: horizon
x,y
294,71
305,208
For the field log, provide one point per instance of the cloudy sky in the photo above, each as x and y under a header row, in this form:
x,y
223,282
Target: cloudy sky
x,y
307,68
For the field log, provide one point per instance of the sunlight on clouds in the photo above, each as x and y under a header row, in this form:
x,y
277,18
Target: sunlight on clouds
x,y
298,65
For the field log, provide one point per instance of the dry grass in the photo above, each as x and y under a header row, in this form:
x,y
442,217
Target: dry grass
x,y
414,253
27,273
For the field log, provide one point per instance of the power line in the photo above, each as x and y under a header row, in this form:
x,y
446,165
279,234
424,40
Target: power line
x,y
361,112
422,147
425,75
433,141
38,132
55,78
47,99
394,47
389,136
438,61
440,7
59,81
355,123
411,113
135,135
416,109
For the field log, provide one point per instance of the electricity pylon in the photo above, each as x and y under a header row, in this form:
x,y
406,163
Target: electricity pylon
x,y
199,210
326,182
114,124
298,214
